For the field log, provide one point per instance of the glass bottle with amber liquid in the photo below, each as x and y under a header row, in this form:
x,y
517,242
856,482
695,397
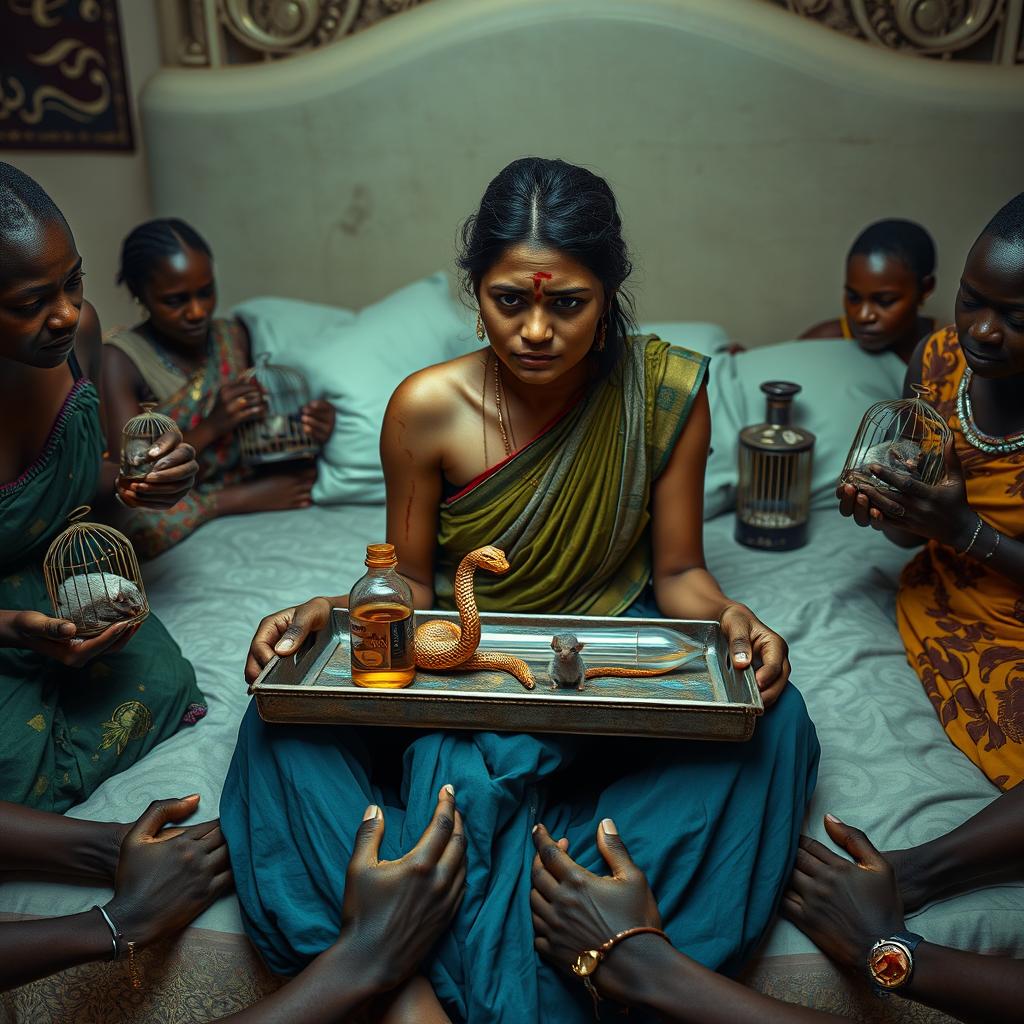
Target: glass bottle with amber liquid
x,y
380,623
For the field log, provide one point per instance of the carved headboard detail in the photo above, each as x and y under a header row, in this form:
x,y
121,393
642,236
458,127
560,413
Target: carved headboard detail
x,y
212,33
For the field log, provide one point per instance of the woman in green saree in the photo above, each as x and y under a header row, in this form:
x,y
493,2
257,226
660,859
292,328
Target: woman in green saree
x,y
580,450
72,712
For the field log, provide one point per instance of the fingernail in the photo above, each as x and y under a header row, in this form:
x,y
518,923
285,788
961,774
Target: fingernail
x,y
153,452
449,789
742,656
284,645
371,812
192,796
533,831
609,827
833,819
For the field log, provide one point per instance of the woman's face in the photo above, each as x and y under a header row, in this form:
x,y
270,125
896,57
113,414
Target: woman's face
x,y
881,298
40,295
541,309
180,296
990,308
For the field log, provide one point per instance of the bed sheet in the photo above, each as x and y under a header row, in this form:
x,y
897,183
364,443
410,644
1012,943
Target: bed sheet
x,y
886,764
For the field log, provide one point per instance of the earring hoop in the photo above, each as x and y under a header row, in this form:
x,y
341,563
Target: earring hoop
x,y
480,332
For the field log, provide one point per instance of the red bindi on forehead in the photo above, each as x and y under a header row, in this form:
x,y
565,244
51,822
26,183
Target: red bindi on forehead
x,y
541,275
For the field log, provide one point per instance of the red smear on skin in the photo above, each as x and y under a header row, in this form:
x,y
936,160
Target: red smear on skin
x,y
408,509
541,275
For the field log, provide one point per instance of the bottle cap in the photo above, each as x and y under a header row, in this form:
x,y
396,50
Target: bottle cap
x,y
381,556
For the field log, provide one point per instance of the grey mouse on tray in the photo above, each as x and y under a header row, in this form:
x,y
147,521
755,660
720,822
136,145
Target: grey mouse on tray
x,y
566,667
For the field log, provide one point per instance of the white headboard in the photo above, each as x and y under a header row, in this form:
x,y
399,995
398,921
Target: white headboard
x,y
747,147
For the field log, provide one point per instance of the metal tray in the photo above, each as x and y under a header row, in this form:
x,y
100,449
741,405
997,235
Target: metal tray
x,y
706,699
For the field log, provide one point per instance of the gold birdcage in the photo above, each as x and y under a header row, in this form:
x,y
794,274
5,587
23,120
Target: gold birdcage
x,y
93,577
278,436
138,436
907,435
774,490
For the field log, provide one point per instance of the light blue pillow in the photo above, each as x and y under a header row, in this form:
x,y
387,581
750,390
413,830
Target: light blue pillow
x,y
691,334
356,361
839,382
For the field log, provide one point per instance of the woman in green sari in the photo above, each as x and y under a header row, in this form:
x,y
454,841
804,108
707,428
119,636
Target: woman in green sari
x,y
579,449
72,711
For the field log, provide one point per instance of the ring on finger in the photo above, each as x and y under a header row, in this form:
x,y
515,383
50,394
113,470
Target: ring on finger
x,y
897,511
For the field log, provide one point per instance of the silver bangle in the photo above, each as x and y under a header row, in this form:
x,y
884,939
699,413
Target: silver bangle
x,y
115,935
994,546
974,537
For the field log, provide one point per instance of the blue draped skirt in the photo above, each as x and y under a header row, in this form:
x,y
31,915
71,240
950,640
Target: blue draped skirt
x,y
714,826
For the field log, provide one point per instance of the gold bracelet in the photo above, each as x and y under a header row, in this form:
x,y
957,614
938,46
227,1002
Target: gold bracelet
x,y
590,959
977,530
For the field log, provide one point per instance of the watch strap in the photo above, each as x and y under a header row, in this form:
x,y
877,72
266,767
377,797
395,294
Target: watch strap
x,y
909,939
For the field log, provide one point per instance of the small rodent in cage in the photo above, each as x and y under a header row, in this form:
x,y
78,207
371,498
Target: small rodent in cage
x,y
139,434
92,576
98,599
906,435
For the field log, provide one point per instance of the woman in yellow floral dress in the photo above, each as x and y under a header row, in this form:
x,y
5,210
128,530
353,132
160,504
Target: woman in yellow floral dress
x,y
960,607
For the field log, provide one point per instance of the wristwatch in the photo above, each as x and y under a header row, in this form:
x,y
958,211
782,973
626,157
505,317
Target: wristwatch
x,y
891,960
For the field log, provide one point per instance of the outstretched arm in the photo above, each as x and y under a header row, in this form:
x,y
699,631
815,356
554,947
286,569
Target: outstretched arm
x,y
54,844
845,906
393,912
984,850
164,878
574,910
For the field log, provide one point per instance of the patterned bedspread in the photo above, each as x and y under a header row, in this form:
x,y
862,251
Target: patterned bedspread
x,y
886,765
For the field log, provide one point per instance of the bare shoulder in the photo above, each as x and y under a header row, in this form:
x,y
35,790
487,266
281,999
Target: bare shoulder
x,y
438,394
826,329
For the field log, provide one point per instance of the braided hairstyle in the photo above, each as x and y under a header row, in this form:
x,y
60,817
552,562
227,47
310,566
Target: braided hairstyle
x,y
559,206
149,244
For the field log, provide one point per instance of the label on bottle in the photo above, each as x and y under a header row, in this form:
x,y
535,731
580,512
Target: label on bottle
x,y
382,637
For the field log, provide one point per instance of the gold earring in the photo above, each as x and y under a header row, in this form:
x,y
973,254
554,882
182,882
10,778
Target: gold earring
x,y
602,332
480,332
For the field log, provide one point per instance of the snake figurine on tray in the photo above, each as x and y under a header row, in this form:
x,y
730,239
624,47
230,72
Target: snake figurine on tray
x,y
444,646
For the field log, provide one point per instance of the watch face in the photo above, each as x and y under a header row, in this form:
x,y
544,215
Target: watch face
x,y
586,963
889,964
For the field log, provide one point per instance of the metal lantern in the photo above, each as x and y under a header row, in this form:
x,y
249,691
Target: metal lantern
x,y
773,496
907,435
92,576
138,436
278,436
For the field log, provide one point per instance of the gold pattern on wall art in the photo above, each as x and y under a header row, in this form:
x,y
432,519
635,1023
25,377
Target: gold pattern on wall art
x,y
62,76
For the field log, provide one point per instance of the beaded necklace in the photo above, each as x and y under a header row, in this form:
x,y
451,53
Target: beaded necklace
x,y
976,437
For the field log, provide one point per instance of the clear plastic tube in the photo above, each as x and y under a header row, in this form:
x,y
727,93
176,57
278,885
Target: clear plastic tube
x,y
651,648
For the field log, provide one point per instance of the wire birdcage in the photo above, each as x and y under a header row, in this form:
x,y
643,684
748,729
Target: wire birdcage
x,y
278,436
774,490
907,435
137,438
93,577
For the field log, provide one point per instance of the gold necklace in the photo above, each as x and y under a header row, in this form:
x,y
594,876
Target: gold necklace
x,y
483,409
497,405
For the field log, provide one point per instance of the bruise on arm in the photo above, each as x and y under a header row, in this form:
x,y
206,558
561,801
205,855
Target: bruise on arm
x,y
411,454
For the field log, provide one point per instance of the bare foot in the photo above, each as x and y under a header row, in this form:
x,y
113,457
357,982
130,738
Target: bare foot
x,y
273,493
412,1003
